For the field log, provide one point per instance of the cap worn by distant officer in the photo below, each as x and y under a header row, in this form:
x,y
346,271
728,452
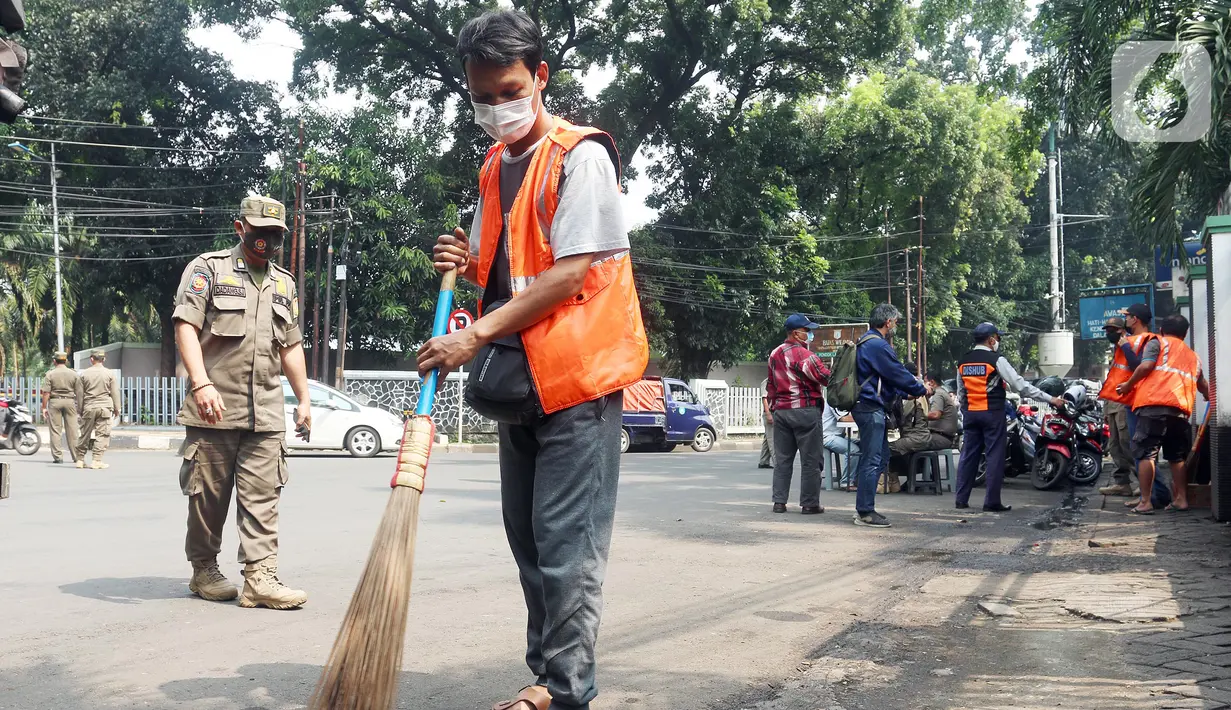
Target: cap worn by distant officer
x,y
60,356
263,212
798,321
983,331
1115,322
98,355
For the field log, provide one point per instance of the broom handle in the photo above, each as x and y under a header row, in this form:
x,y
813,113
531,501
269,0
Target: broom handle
x,y
1192,455
444,307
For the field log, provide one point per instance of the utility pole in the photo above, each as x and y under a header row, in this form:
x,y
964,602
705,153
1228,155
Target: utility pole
x,y
325,372
1055,346
906,298
341,371
55,235
1057,322
317,368
301,255
888,263
922,360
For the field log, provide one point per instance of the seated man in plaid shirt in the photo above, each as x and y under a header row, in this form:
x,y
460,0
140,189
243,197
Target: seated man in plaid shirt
x,y
796,394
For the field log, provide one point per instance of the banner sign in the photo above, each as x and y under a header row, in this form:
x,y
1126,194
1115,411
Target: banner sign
x,y
827,340
1099,304
1169,263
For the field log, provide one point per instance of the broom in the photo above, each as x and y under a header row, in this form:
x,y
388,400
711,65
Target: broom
x,y
1191,459
362,670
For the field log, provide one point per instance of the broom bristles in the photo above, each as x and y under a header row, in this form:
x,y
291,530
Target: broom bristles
x,y
363,667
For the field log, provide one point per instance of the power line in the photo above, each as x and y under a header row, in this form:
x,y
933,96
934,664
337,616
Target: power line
x,y
105,124
174,149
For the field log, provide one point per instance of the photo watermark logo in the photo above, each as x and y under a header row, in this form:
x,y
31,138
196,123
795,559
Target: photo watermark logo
x,y
1130,65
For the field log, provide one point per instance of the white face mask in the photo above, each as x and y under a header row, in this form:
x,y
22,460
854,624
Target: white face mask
x,y
508,122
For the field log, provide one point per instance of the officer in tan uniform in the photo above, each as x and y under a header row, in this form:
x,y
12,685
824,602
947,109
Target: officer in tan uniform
x,y
236,327
98,395
60,406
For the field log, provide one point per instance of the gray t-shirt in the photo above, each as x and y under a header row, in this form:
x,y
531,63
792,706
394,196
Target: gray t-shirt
x,y
1152,351
589,218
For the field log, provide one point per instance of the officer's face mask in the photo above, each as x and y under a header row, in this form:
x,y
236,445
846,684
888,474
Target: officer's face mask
x,y
808,337
264,244
1113,335
508,122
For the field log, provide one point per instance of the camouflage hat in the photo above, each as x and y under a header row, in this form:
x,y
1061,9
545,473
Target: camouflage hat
x,y
263,212
98,354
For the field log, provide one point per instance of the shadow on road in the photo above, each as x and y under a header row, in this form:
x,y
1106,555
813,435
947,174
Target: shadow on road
x,y
129,590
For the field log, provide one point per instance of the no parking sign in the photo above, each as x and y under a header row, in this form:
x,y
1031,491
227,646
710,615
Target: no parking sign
x,y
460,319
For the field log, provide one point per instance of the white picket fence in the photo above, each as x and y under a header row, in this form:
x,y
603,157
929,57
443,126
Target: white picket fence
x,y
744,412
150,401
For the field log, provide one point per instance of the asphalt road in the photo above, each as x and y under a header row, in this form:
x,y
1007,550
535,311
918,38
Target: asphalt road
x,y
710,597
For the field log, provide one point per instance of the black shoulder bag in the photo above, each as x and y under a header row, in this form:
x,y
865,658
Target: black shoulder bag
x,y
499,386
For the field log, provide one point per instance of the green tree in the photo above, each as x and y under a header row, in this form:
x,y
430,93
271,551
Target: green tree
x,y
127,74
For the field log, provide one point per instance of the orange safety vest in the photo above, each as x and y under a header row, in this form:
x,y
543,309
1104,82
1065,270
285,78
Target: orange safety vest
x,y
1120,372
1173,382
594,343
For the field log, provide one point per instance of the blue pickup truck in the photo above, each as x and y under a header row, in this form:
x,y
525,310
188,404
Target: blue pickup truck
x,y
662,413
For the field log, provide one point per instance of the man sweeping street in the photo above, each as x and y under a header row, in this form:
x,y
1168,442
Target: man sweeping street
x,y
549,250
235,325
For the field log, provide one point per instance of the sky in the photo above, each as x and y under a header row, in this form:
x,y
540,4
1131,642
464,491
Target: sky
x,y
271,56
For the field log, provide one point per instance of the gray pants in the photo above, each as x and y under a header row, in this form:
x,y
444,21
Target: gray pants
x,y
767,445
798,430
1116,417
558,482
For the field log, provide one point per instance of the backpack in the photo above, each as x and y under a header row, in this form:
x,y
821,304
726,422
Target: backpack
x,y
842,392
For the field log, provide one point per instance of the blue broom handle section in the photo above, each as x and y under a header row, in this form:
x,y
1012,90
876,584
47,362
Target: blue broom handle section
x,y
444,307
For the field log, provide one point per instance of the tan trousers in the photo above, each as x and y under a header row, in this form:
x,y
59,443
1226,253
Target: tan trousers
x,y
62,417
217,461
97,421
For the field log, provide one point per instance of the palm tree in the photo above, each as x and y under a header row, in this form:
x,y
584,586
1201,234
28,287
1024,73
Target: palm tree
x,y
1074,83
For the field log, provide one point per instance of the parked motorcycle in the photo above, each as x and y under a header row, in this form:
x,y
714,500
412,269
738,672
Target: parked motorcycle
x,y
22,435
1070,443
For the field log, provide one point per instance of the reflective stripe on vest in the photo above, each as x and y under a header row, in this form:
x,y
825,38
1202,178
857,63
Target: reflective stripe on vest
x,y
1120,372
594,343
1173,382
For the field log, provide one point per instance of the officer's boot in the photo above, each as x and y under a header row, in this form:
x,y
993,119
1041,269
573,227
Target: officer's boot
x,y
210,584
98,462
263,588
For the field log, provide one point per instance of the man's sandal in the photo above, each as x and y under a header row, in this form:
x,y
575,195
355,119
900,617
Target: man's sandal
x,y
531,697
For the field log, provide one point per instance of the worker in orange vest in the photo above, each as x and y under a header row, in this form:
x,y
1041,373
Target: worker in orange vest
x,y
1164,394
1115,407
549,250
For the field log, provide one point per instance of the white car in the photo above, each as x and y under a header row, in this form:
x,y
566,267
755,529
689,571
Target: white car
x,y
339,422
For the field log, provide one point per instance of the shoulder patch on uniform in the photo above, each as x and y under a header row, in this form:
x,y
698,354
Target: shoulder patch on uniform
x,y
198,284
229,290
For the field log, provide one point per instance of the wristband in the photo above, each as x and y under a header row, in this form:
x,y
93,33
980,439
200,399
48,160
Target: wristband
x,y
201,387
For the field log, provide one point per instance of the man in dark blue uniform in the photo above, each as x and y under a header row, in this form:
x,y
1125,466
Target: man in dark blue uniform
x,y
982,379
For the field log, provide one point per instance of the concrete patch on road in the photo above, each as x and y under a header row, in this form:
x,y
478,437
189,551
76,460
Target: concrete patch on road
x,y
153,443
